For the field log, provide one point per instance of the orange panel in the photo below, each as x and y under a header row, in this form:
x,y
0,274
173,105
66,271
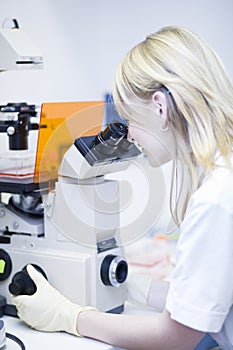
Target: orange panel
x,y
61,123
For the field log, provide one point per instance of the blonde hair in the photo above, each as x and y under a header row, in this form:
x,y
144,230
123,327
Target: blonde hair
x,y
200,98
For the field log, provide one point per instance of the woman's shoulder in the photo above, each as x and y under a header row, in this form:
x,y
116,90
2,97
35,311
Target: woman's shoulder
x,y
216,188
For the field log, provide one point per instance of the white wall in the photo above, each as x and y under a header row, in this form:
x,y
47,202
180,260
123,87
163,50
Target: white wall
x,y
83,40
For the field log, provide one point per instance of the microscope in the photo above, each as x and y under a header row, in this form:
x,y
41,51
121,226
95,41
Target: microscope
x,y
65,221
70,232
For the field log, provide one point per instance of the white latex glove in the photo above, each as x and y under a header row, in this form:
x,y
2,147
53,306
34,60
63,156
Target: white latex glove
x,y
47,309
138,289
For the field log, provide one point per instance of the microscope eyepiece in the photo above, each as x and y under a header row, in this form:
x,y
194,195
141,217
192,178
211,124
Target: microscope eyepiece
x,y
108,140
114,131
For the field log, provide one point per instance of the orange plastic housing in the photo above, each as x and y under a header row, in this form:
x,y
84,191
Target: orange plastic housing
x,y
61,123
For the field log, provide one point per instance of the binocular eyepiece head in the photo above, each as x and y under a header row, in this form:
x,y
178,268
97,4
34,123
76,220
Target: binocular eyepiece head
x,y
108,146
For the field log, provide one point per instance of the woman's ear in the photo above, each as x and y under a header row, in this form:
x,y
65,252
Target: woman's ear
x,y
160,101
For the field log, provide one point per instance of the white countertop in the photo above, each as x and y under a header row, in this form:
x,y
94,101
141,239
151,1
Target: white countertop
x,y
35,340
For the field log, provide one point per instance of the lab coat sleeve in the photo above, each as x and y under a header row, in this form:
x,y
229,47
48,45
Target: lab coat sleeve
x,y
201,290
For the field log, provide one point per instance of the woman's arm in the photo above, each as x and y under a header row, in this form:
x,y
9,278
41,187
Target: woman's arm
x,y
48,310
138,332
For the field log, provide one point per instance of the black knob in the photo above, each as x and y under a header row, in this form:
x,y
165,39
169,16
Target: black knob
x,y
22,284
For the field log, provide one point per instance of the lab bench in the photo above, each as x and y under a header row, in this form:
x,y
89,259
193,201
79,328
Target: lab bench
x,y
35,340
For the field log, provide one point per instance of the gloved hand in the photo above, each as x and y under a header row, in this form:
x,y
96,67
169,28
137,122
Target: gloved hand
x,y
138,289
47,309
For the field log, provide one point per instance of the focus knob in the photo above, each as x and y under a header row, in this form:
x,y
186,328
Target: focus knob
x,y
22,284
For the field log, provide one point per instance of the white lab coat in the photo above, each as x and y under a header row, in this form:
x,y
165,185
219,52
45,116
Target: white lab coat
x,y
201,290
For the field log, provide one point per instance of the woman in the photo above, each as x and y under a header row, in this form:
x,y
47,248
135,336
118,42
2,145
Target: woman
x,y
177,98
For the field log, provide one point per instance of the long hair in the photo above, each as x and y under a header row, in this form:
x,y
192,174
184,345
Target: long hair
x,y
200,98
